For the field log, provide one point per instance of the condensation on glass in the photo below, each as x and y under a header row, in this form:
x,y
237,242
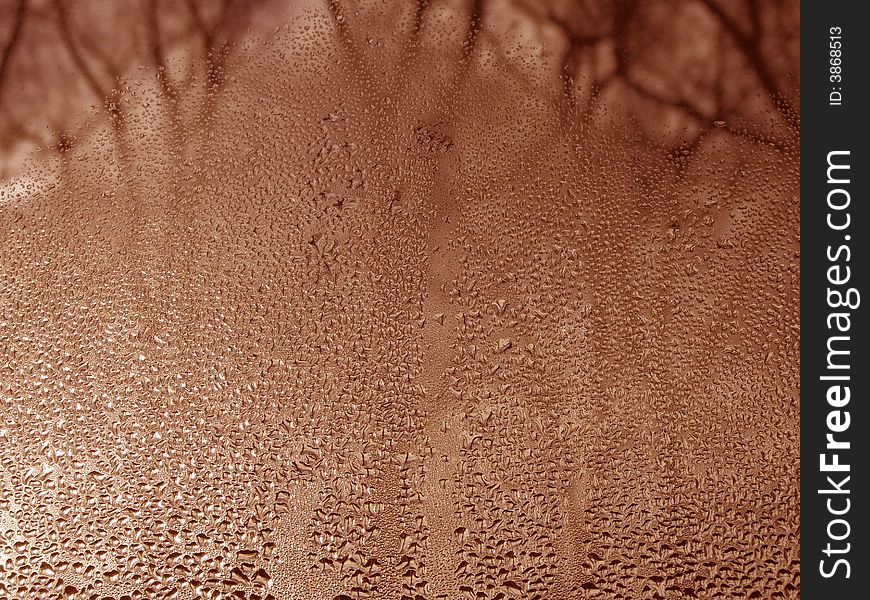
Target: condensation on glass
x,y
413,301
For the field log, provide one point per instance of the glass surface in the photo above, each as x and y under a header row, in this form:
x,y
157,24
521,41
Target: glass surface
x,y
438,300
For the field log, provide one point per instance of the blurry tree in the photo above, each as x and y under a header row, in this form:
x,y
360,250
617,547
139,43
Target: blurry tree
x,y
677,67
60,57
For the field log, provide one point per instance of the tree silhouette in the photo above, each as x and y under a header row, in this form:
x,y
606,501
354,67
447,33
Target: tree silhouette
x,y
61,56
690,64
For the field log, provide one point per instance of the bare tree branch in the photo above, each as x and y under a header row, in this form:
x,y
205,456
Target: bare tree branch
x,y
475,23
156,45
14,35
573,37
75,54
420,8
681,104
750,48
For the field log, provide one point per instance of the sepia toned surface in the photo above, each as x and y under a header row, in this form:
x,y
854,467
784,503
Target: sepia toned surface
x,y
406,301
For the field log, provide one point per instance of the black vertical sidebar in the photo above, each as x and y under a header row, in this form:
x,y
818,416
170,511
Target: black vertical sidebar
x,y
835,225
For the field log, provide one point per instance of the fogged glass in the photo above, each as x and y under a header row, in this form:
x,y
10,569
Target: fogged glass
x,y
488,299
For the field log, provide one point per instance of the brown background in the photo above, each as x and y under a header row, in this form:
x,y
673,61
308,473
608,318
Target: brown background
x,y
392,300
